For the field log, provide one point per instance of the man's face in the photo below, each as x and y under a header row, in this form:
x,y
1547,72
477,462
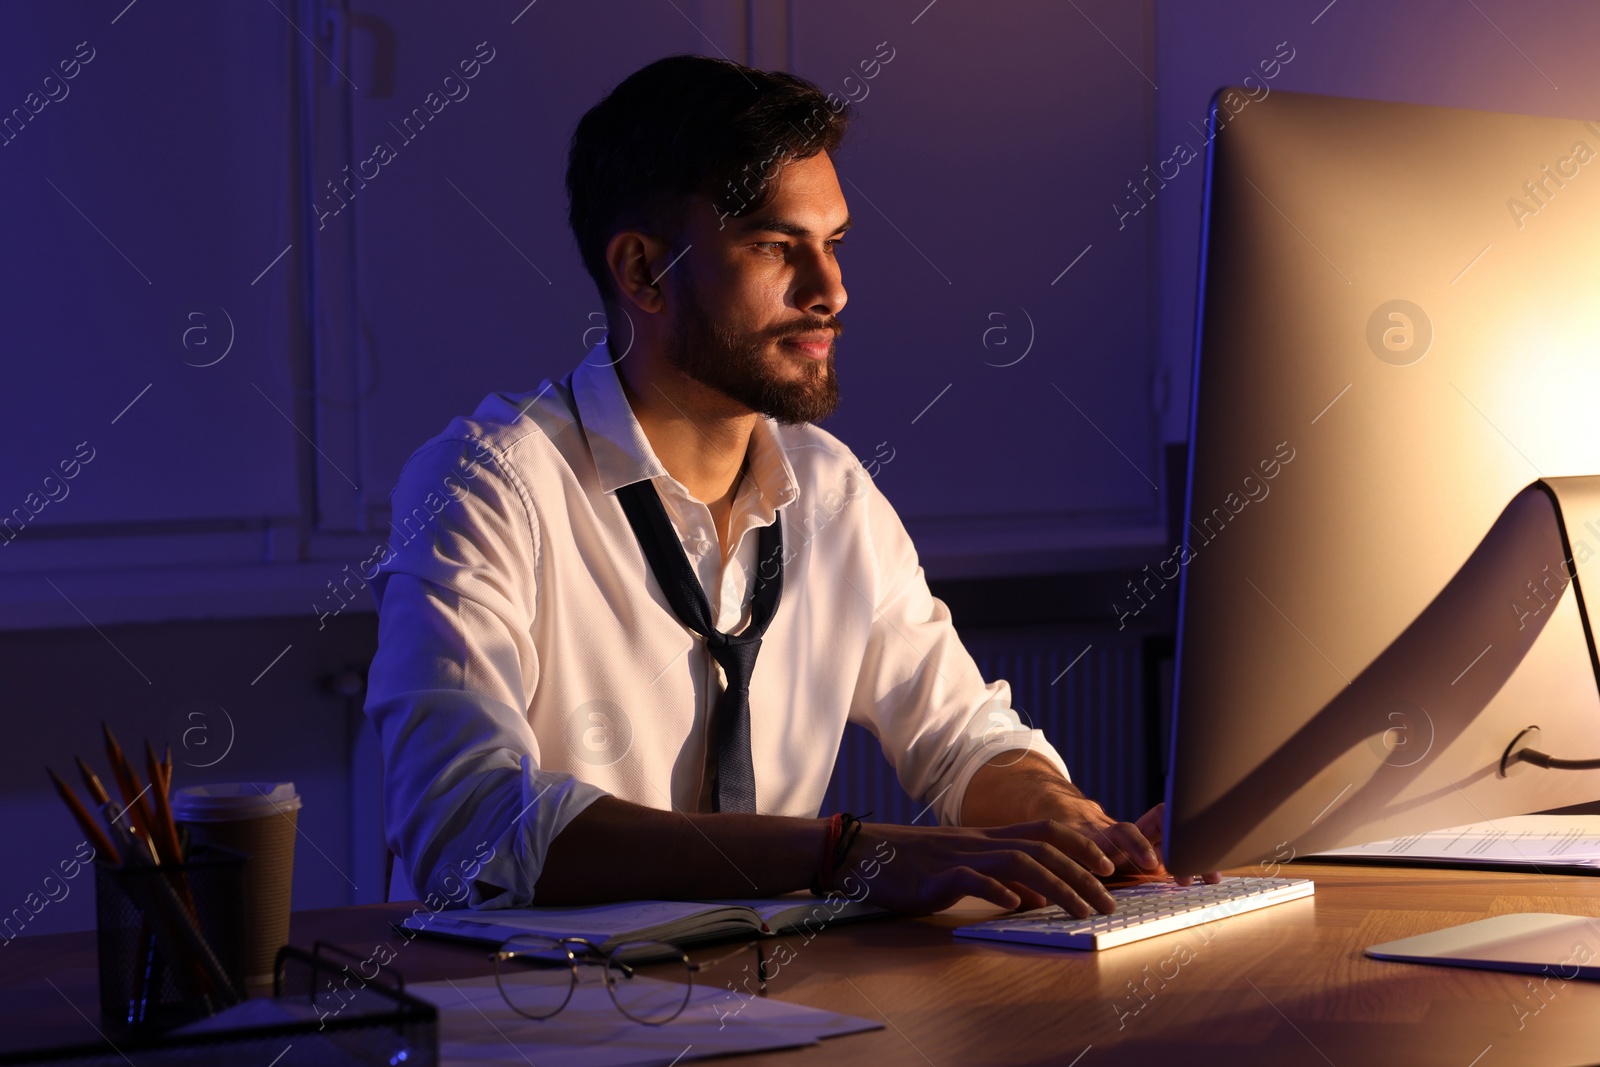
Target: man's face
x,y
755,299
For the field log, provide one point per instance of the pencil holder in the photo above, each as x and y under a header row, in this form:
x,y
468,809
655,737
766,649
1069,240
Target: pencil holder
x,y
170,940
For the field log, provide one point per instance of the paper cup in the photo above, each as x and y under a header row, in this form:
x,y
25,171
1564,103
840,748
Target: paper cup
x,y
256,818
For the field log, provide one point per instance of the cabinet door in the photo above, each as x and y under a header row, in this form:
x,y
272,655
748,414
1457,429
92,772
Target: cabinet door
x,y
149,285
464,272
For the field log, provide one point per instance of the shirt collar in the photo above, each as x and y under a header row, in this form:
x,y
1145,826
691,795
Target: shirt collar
x,y
622,453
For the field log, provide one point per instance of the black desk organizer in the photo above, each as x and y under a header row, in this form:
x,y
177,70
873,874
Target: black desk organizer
x,y
375,1022
143,990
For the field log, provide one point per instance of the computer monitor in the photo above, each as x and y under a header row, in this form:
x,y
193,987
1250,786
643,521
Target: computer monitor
x,y
1398,337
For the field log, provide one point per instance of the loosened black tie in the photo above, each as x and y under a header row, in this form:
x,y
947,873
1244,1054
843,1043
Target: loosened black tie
x,y
736,775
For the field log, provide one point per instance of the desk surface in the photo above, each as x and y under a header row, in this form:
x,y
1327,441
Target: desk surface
x,y
1286,985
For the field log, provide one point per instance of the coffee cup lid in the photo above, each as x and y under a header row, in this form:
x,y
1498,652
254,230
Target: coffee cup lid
x,y
227,801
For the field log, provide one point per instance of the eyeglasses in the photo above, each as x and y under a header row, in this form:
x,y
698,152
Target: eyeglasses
x,y
536,975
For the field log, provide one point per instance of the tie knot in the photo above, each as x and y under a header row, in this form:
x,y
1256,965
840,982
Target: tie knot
x,y
737,655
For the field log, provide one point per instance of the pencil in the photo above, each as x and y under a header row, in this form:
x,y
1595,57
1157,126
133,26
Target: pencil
x,y
165,831
97,837
91,782
139,815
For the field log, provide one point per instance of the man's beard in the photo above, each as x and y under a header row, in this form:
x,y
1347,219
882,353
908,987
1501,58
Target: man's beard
x,y
735,365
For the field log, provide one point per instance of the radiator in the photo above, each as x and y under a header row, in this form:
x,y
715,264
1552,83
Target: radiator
x,y
1094,706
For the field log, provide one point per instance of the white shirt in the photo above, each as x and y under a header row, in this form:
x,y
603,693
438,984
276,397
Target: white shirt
x,y
529,663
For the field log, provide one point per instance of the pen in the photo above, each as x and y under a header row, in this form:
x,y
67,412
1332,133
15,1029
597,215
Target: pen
x,y
137,848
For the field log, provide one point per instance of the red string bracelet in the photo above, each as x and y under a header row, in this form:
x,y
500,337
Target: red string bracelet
x,y
842,831
824,872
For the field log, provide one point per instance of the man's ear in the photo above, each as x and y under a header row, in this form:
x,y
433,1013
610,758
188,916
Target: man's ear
x,y
630,255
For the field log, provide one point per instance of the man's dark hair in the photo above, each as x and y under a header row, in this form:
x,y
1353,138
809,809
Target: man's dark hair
x,y
689,125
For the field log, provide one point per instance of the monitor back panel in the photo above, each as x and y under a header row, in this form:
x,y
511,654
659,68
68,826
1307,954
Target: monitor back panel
x,y
1400,331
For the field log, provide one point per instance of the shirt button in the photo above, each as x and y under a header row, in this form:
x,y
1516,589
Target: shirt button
x,y
702,546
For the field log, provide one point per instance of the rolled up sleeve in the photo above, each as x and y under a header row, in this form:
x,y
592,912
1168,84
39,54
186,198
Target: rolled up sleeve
x,y
919,691
466,805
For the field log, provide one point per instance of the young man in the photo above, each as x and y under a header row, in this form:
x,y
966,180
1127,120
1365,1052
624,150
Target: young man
x,y
632,610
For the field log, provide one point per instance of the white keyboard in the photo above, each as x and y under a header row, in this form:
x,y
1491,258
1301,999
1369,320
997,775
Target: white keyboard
x,y
1142,911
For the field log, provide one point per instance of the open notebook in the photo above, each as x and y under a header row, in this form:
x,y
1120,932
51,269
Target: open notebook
x,y
673,921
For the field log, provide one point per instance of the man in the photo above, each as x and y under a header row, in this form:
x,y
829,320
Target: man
x,y
633,610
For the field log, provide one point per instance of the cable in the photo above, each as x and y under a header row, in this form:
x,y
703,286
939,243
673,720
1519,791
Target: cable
x,y
1540,759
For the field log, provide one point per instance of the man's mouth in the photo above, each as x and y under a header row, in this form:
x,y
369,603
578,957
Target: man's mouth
x,y
814,345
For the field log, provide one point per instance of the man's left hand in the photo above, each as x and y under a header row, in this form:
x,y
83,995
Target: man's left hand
x,y
1135,847
1026,787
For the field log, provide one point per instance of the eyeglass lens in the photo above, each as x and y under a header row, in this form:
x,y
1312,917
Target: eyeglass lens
x,y
648,1000
535,975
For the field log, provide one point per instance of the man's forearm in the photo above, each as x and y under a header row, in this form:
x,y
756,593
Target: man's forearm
x,y
1013,787
614,850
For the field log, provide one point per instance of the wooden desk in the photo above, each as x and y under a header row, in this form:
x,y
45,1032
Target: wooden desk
x,y
1287,985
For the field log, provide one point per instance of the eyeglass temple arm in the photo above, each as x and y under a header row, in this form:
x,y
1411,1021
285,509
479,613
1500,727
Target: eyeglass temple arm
x,y
761,961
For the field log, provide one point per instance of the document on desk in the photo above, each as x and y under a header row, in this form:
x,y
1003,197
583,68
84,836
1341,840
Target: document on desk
x,y
476,1026
1549,842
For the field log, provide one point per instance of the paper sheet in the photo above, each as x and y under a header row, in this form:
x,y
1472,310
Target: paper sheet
x,y
1520,840
477,1027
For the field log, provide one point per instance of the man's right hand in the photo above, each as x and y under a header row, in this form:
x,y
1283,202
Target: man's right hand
x,y
924,869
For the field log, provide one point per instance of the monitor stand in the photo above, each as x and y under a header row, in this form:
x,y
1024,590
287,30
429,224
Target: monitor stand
x,y
1533,942
1577,507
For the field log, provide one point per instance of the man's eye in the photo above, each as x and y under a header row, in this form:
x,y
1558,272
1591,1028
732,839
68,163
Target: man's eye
x,y
776,245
